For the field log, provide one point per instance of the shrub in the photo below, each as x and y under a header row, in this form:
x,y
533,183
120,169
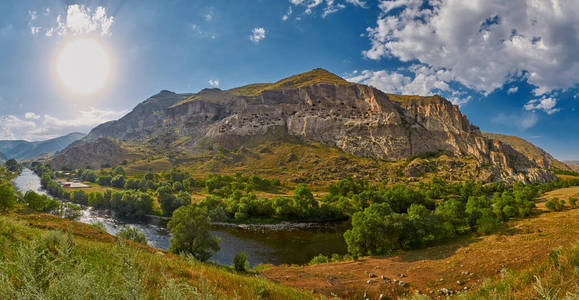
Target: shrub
x,y
555,204
572,201
240,262
133,234
7,197
319,259
69,211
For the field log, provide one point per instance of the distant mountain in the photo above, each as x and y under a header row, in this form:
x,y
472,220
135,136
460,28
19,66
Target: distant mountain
x,y
20,149
574,164
538,155
317,106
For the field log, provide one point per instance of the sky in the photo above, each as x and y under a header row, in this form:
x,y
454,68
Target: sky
x,y
511,65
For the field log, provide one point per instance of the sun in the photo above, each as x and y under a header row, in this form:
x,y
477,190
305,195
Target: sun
x,y
83,66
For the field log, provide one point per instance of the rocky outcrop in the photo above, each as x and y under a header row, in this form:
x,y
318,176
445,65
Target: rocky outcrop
x,y
319,106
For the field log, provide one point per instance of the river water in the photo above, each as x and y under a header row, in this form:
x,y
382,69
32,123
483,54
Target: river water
x,y
297,246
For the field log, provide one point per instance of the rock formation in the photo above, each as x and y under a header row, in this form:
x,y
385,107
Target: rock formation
x,y
320,106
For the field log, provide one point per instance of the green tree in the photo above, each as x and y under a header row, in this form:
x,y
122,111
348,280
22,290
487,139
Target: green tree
x,y
190,229
118,181
376,230
12,165
7,197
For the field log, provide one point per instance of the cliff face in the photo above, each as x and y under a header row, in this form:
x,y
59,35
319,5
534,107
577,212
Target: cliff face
x,y
358,119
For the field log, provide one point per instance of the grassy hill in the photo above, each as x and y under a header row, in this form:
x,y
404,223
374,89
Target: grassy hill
x,y
45,257
316,76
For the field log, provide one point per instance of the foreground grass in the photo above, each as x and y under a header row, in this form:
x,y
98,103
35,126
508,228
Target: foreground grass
x,y
555,277
44,257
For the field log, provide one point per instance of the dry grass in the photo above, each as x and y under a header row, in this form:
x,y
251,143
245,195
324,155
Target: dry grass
x,y
515,246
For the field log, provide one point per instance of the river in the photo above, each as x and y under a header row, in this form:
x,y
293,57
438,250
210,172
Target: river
x,y
297,246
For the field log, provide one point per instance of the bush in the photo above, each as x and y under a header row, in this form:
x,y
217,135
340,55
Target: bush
x,y
240,262
573,201
133,234
319,259
7,197
555,204
69,211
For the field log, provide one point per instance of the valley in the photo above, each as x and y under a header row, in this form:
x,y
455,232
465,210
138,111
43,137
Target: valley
x,y
332,188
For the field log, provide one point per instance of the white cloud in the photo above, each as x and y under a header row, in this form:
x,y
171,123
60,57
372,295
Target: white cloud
x,y
330,7
31,115
78,20
417,80
34,127
513,90
202,33
484,43
214,83
257,34
287,14
546,104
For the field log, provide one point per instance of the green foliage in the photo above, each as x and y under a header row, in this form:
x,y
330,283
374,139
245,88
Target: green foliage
x,y
572,201
40,202
555,204
240,262
133,234
319,259
7,197
13,166
118,181
190,229
68,210
80,197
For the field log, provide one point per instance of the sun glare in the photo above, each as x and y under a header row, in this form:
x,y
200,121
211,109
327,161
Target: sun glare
x,y
83,66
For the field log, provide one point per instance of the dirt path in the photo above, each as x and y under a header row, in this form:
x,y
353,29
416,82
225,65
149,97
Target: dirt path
x,y
455,266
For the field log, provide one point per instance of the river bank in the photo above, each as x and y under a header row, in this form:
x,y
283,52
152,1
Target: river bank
x,y
284,243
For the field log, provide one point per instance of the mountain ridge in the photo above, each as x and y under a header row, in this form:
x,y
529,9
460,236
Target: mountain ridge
x,y
320,106
21,149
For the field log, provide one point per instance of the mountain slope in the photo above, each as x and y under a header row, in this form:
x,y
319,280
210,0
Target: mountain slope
x,y
318,106
538,155
23,149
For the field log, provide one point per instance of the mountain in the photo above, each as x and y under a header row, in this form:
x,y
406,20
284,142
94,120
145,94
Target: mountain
x,y
318,106
538,155
20,149
103,152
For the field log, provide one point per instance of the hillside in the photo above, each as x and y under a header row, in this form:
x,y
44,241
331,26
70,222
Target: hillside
x,y
103,152
538,155
43,256
498,266
20,149
316,106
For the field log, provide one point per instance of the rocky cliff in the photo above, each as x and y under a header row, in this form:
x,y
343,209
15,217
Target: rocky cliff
x,y
320,106
102,152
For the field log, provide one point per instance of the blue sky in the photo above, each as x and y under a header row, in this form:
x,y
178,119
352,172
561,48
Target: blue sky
x,y
512,66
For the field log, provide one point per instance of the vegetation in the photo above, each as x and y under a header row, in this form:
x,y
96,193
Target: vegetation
x,y
39,262
316,76
190,229
555,204
133,234
401,217
240,262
